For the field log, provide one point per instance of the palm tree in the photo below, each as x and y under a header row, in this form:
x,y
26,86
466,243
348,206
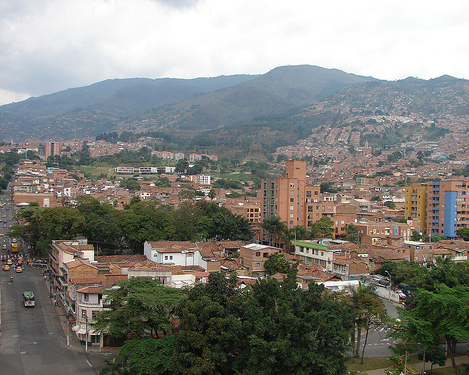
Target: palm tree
x,y
275,227
114,368
360,298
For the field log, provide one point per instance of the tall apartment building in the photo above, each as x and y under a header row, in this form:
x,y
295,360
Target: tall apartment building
x,y
446,206
52,148
290,198
416,203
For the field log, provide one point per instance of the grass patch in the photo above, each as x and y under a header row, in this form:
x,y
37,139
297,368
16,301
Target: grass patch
x,y
369,363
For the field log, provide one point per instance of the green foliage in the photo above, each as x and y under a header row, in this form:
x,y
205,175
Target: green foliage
x,y
390,204
227,184
416,236
326,187
148,355
277,263
463,233
130,184
275,227
140,306
275,328
322,228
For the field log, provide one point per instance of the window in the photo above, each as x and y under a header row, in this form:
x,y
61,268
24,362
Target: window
x,y
292,200
86,297
265,255
292,184
93,314
170,257
292,207
291,222
315,192
291,215
308,194
258,264
165,257
258,253
292,192
83,314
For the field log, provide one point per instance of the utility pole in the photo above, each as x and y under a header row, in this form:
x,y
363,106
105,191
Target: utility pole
x,y
86,333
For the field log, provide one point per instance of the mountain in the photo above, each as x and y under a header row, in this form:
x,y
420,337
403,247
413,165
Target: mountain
x,y
385,114
190,106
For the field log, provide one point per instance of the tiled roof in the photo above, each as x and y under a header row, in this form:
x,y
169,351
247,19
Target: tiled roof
x,y
173,246
120,258
91,289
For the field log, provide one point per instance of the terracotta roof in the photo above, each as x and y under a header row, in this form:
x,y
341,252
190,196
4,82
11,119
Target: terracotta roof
x,y
87,280
120,258
149,265
193,268
232,263
79,263
173,246
91,289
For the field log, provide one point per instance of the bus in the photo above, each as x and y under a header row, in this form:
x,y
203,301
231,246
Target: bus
x,y
28,299
14,246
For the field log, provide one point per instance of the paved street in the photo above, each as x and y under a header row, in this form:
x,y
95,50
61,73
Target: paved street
x,y
33,341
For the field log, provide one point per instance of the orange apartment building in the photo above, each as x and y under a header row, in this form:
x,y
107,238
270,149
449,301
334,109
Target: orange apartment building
x,y
290,198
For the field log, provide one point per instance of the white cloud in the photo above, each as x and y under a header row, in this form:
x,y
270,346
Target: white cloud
x,y
52,45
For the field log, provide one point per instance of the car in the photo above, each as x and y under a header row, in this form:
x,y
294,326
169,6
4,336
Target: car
x,y
1,234
4,247
4,215
4,258
9,262
19,269
6,267
4,225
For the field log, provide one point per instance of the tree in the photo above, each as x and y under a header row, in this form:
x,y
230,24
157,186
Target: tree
x,y
366,312
274,226
148,355
273,328
326,187
435,315
353,233
416,236
212,194
277,263
140,306
324,227
182,166
130,184
463,233
113,368
390,204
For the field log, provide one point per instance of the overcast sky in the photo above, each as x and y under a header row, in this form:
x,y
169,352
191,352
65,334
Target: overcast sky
x,y
51,45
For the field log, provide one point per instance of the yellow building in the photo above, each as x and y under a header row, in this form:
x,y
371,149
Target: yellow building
x,y
416,203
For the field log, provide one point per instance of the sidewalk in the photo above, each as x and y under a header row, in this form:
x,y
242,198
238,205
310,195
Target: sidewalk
x,y
419,366
70,336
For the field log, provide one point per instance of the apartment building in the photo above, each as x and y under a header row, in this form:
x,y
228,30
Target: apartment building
x,y
290,198
415,204
441,206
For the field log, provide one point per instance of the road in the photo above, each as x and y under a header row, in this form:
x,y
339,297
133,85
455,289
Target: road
x,y
32,339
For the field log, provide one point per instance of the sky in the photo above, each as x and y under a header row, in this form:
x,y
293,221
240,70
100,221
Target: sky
x,y
52,45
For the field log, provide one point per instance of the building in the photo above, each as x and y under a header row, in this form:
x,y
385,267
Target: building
x,y
441,206
254,256
52,148
181,253
291,198
415,204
